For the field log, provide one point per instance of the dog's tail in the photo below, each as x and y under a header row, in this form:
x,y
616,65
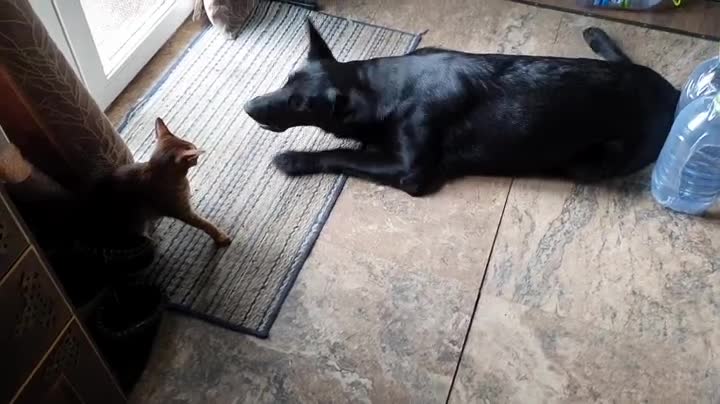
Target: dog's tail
x,y
603,45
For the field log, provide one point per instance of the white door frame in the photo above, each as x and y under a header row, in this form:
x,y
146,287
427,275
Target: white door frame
x,y
45,10
78,41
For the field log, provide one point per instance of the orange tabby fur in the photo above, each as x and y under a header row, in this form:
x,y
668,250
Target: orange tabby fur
x,y
160,185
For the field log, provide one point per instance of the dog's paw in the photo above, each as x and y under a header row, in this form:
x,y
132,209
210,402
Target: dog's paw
x,y
295,163
222,240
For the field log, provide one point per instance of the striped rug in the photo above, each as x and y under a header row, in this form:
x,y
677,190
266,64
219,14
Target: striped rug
x,y
274,220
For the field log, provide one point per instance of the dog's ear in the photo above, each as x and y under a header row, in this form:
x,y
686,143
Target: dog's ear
x,y
318,48
161,130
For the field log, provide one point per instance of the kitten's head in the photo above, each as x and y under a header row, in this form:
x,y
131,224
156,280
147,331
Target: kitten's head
x,y
171,150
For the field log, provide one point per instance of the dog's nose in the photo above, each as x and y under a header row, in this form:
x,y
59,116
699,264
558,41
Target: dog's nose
x,y
251,107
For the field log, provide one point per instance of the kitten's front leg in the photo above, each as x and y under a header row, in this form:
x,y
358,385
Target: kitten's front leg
x,y
193,219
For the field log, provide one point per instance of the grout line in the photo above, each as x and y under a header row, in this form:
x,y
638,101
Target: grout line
x,y
559,27
14,265
477,299
42,360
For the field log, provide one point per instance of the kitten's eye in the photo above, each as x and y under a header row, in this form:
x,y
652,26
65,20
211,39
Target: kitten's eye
x,y
295,102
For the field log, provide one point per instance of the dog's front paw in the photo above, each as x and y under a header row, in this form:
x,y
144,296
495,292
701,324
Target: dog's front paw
x,y
295,163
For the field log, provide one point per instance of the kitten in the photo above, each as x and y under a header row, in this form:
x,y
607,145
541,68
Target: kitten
x,y
156,188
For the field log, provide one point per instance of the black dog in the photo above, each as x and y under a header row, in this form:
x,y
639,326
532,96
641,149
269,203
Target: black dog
x,y
434,115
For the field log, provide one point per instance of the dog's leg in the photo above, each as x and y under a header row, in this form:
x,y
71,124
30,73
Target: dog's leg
x,y
370,165
614,158
221,239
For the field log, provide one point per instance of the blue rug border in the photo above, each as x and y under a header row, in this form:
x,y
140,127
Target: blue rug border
x,y
311,238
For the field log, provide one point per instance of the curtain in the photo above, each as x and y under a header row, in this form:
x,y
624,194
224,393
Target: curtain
x,y
73,141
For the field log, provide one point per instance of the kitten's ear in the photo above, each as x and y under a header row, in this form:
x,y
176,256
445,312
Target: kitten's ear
x,y
189,156
161,130
318,48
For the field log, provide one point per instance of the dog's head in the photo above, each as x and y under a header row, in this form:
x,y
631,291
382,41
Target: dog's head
x,y
317,94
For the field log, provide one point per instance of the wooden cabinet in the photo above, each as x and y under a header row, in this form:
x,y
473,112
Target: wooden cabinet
x,y
71,373
12,240
32,314
47,356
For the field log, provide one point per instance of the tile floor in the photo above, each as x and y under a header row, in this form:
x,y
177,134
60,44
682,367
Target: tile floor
x,y
589,294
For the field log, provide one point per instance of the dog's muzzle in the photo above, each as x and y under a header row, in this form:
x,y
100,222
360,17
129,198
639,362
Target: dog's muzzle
x,y
258,109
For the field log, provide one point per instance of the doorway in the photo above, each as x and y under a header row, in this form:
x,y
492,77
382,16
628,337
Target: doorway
x,y
109,41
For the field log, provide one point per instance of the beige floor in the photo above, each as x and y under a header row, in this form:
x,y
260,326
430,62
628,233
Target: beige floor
x,y
590,293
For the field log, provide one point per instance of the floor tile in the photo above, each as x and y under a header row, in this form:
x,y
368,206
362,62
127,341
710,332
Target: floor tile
x,y
354,329
674,56
453,229
611,257
476,26
517,354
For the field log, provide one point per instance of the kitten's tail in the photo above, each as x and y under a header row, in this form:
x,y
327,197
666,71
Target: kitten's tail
x,y
604,46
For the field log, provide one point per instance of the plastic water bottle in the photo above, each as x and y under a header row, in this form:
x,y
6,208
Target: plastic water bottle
x,y
630,4
686,177
704,80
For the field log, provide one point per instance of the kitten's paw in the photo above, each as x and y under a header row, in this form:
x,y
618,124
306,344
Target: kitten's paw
x,y
222,240
294,163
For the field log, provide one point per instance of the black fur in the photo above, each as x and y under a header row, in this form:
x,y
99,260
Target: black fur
x,y
600,43
434,115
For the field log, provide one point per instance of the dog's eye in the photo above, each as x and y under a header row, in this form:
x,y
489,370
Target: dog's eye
x,y
295,102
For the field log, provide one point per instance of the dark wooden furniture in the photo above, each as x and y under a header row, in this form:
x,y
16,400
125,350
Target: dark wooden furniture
x,y
46,354
700,18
